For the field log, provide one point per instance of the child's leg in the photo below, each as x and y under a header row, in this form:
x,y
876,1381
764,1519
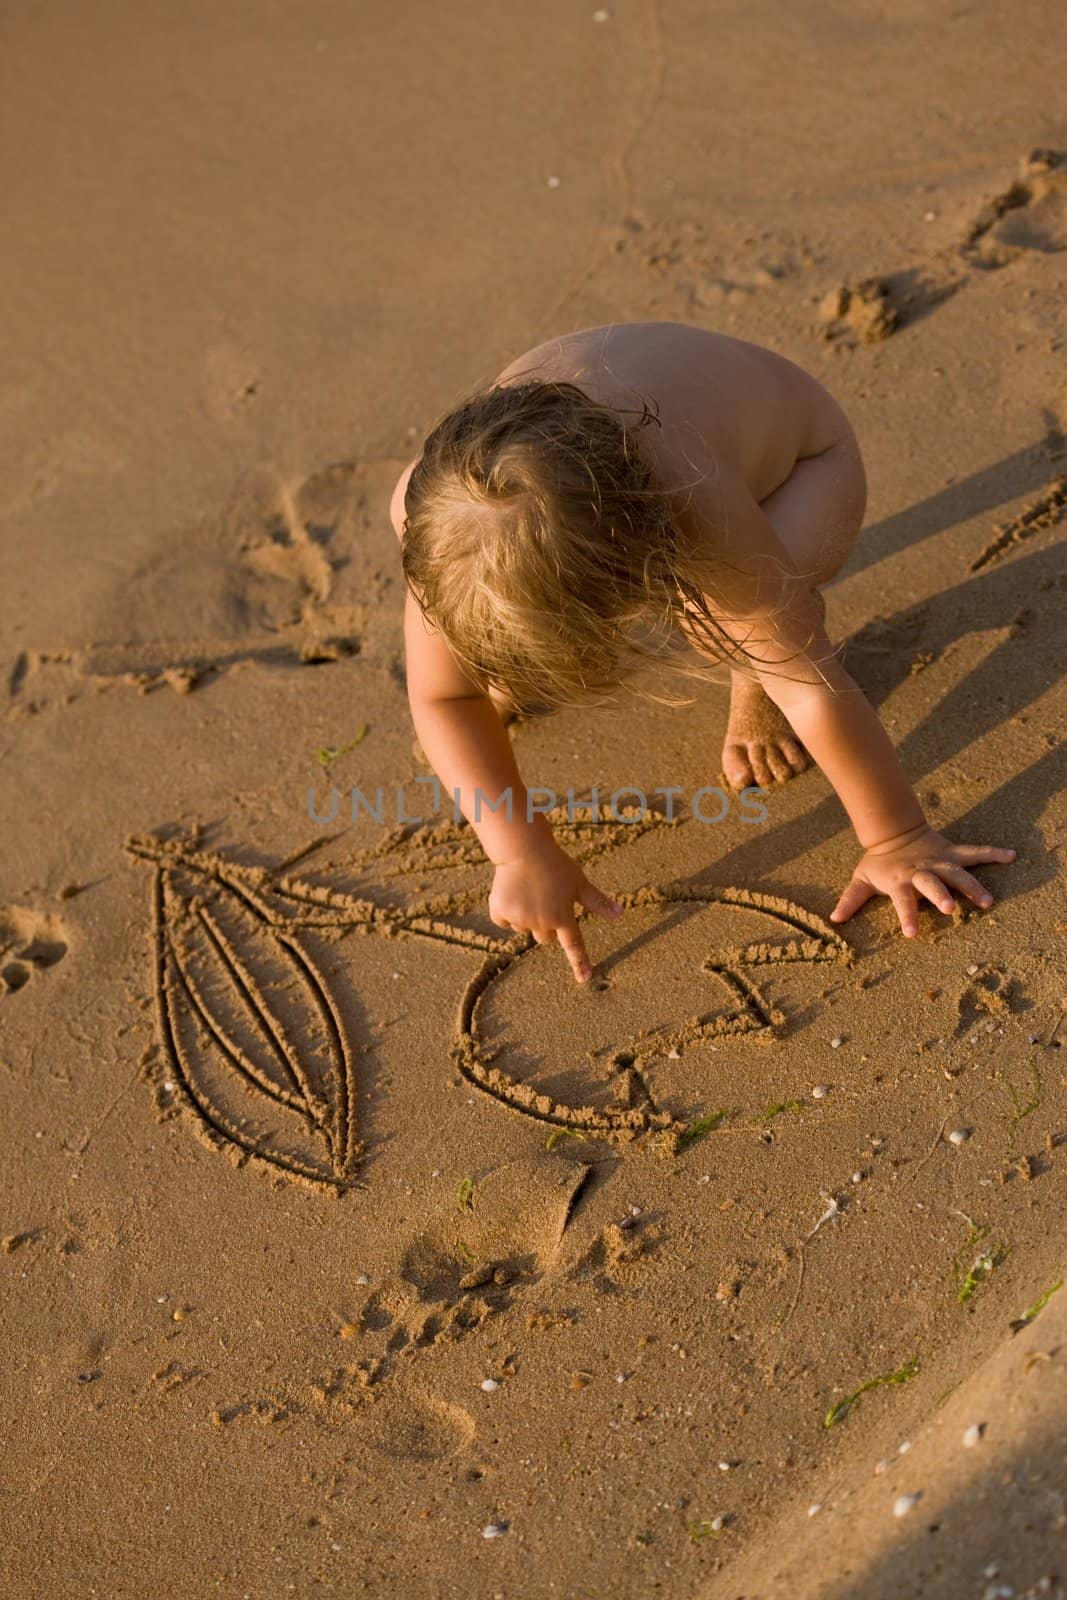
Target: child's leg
x,y
817,513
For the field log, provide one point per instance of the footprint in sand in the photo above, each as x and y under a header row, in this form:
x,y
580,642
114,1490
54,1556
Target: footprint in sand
x,y
1027,217
469,1266
31,942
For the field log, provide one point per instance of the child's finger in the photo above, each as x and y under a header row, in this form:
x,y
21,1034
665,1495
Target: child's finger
x,y
929,884
983,852
856,895
574,950
594,899
967,884
907,908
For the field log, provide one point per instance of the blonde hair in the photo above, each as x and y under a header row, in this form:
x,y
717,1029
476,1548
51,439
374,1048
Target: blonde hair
x,y
537,541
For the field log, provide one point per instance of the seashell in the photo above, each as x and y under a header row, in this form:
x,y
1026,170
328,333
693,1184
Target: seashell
x,y
959,1136
973,1434
494,1530
820,1091
905,1503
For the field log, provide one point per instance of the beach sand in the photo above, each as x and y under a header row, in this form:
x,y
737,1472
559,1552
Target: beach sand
x,y
347,1245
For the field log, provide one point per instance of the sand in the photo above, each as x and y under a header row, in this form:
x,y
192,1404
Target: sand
x,y
347,1245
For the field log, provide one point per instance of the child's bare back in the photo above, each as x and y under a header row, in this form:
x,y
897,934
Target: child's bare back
x,y
756,429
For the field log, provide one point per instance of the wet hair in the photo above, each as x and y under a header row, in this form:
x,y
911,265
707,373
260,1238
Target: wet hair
x,y
538,542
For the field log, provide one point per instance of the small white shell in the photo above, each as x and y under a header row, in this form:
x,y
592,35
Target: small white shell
x,y
905,1503
959,1136
820,1091
553,183
494,1530
973,1434
490,1385
717,1524
836,1043
813,1511
902,1449
972,969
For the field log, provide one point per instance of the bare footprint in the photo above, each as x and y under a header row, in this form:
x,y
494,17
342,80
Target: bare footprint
x,y
471,1263
760,747
30,941
1029,215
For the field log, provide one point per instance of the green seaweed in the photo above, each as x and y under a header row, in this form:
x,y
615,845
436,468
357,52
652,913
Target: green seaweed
x,y
776,1110
556,1135
1038,1306
980,1271
1019,1110
902,1374
464,1194
704,1530
467,1254
330,753
697,1129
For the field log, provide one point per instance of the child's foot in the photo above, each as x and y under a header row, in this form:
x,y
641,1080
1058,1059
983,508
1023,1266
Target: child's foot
x,y
760,747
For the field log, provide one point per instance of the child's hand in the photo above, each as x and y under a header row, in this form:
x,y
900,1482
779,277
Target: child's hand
x,y
925,863
536,893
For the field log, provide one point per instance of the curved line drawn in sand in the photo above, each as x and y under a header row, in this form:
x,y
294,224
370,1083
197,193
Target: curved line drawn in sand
x,y
247,1021
1042,512
254,1046
810,940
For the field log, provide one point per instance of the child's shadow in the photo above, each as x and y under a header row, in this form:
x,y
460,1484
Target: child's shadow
x,y
1024,472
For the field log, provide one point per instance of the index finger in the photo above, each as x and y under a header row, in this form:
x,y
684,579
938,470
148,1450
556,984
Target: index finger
x,y
574,949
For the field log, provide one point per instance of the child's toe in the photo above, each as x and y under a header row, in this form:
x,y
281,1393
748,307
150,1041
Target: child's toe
x,y
736,766
796,755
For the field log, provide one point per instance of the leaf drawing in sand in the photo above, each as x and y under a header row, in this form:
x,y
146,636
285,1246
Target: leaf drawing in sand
x,y
254,1044
252,1041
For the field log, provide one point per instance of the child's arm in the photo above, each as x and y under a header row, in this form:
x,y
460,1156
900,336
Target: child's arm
x,y
536,884
764,605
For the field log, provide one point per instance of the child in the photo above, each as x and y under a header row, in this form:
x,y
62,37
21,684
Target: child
x,y
550,542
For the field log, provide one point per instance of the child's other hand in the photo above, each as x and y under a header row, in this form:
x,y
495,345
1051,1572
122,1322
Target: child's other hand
x,y
536,893
924,863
